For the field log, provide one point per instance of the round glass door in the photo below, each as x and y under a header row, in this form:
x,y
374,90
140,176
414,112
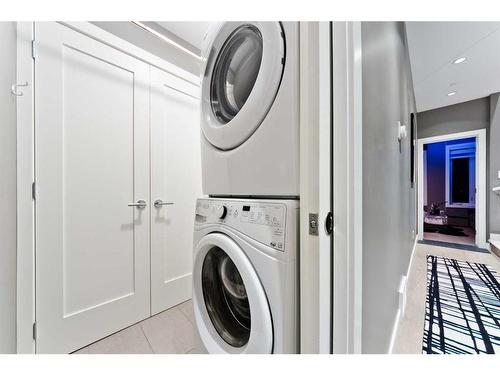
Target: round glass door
x,y
235,72
226,298
242,66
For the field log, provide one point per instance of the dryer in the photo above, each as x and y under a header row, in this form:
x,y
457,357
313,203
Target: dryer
x,y
250,109
245,283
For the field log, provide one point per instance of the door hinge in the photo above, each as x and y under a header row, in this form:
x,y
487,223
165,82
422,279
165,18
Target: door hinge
x,y
34,331
33,49
33,191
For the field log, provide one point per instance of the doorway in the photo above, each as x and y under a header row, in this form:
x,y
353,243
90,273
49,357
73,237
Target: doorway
x,y
451,187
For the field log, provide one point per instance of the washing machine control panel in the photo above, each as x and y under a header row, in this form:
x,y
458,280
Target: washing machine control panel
x,y
264,222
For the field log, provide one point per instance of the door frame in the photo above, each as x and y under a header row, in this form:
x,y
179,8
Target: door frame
x,y
25,203
347,105
330,179
480,211
315,166
26,208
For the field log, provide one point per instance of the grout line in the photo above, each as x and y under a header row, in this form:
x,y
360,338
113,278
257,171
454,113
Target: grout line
x,y
146,336
183,313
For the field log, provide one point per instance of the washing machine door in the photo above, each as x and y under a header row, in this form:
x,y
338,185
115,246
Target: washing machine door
x,y
231,309
242,66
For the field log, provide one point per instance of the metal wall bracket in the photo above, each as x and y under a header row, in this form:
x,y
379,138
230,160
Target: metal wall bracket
x,y
13,88
33,49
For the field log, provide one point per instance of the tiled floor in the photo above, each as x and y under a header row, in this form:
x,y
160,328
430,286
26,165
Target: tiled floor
x,y
411,328
470,239
169,332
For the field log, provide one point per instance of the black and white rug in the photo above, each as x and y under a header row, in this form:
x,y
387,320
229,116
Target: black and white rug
x,y
462,313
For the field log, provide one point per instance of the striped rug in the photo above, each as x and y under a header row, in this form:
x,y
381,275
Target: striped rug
x,y
462,313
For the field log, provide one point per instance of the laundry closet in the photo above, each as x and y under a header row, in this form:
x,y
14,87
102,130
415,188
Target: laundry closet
x,y
142,185
116,173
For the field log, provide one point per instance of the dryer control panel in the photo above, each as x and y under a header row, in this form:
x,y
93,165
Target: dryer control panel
x,y
264,222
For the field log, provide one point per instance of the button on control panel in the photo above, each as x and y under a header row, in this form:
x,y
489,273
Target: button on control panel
x,y
264,222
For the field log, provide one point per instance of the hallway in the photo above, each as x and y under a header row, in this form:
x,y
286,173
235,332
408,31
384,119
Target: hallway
x,y
410,334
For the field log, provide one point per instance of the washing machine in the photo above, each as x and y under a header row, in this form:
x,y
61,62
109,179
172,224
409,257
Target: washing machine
x,y
245,283
250,109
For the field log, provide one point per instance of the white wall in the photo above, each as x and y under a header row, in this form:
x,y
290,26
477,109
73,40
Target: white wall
x,y
7,189
494,165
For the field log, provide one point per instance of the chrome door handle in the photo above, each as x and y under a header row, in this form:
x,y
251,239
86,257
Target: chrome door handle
x,y
140,204
158,203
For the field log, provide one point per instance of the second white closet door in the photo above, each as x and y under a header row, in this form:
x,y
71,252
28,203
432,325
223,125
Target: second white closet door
x,y
176,181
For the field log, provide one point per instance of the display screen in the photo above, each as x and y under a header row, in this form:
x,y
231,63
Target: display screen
x,y
246,208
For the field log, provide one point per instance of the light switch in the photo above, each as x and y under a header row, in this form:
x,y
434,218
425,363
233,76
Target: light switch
x,y
498,174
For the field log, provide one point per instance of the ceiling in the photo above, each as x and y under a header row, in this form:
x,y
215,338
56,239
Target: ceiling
x,y
191,32
434,46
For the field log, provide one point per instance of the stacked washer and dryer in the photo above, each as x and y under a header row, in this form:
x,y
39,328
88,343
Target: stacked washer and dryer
x,y
245,276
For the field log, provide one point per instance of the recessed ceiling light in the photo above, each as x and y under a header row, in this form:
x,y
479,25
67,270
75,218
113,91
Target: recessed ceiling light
x,y
459,60
452,93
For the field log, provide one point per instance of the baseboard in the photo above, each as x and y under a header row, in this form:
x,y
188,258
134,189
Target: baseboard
x,y
394,332
415,242
402,299
495,244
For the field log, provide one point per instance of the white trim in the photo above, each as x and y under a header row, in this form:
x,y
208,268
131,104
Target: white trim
x,y
325,191
402,307
347,188
424,166
480,136
494,242
395,327
309,179
415,243
316,273
25,204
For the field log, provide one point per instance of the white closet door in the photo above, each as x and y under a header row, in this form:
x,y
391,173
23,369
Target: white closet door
x,y
92,148
176,179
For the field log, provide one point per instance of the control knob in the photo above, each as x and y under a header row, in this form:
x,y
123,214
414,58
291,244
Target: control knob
x,y
221,211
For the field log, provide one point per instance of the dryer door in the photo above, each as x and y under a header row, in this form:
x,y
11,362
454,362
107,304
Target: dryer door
x,y
243,66
231,309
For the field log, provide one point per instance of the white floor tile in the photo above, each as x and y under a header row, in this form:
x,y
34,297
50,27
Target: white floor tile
x,y
169,332
128,341
187,309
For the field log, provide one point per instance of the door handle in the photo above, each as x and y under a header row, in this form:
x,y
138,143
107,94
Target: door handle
x,y
140,204
158,203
